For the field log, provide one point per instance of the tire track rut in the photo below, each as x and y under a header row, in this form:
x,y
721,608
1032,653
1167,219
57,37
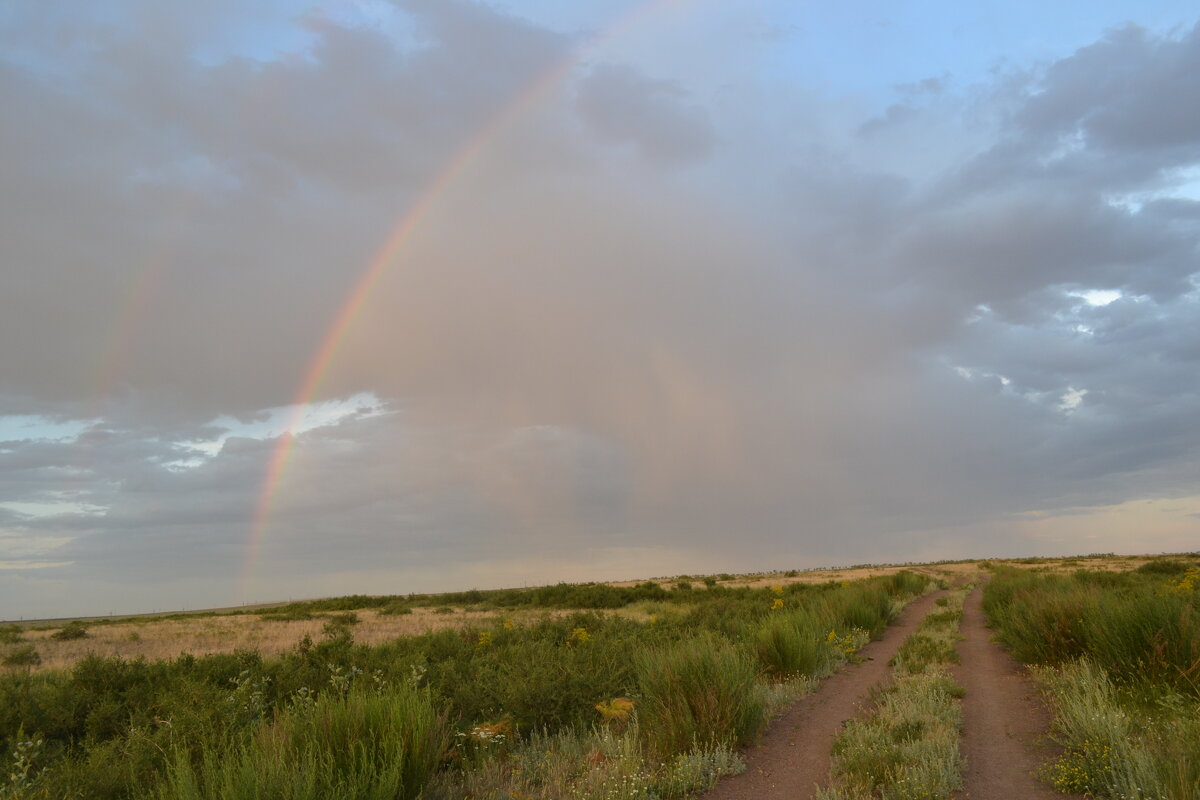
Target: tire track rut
x,y
793,757
1005,723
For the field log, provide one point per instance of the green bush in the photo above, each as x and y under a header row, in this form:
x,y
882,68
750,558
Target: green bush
x,y
24,656
11,634
698,692
72,630
363,746
1163,566
396,609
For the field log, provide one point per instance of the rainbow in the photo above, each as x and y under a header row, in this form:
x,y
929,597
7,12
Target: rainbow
x,y
387,253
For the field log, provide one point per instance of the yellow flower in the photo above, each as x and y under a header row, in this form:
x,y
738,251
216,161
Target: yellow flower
x,y
579,636
777,604
616,710
485,639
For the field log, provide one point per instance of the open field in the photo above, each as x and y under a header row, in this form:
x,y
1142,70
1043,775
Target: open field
x,y
639,690
170,638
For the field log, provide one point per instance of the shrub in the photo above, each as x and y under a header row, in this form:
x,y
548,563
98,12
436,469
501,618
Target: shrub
x,y
286,615
396,609
10,634
699,692
72,630
24,656
1163,566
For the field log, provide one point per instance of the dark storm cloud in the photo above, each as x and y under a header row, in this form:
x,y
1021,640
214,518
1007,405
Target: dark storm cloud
x,y
838,335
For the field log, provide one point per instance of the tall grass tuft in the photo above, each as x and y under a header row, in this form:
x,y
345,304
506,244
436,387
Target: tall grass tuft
x,y
867,606
364,746
698,692
794,644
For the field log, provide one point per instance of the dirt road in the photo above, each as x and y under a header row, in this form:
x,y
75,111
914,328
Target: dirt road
x,y
1004,721
793,757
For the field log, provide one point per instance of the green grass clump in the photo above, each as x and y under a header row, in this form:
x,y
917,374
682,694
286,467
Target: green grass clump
x,y
1118,745
919,651
1141,628
363,746
698,692
11,634
794,644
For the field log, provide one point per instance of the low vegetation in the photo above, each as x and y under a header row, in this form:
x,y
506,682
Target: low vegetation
x,y
1119,657
577,702
906,747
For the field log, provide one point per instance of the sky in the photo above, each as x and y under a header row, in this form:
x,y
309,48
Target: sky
x,y
302,299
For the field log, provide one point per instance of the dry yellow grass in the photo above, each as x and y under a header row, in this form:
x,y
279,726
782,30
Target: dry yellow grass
x,y
162,639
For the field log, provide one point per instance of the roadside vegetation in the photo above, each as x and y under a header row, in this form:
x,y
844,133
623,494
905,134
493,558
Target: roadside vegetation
x,y
635,692
1119,657
906,746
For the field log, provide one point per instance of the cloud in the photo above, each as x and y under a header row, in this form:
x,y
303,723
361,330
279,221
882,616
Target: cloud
x,y
626,107
840,334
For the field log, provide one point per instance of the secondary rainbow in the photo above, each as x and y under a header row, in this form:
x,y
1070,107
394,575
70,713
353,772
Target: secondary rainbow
x,y
386,255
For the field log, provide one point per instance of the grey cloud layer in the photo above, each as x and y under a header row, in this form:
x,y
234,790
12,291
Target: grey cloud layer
x,y
635,320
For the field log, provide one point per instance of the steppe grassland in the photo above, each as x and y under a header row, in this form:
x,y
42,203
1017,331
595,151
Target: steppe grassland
x,y
157,639
244,723
168,637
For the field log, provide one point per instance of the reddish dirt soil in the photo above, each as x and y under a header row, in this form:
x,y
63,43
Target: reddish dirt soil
x,y
793,757
1005,724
